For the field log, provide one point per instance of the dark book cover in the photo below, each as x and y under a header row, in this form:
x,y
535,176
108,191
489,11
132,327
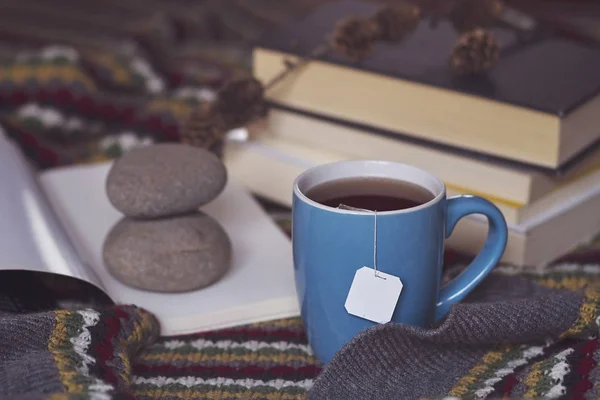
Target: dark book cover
x,y
551,72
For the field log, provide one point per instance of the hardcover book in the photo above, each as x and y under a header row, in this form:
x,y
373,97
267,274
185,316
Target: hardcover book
x,y
504,181
548,229
538,105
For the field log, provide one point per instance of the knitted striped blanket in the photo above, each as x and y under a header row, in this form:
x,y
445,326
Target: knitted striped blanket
x,y
115,352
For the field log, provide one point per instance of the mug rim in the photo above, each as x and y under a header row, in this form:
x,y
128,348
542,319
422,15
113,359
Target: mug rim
x,y
301,196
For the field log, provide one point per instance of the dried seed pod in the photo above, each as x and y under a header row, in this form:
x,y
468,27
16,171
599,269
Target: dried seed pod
x,y
241,100
397,21
204,128
467,15
355,37
475,52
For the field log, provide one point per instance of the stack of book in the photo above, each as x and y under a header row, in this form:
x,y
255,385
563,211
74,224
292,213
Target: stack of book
x,y
525,135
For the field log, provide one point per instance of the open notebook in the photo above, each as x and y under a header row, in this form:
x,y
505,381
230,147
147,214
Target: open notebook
x,y
56,222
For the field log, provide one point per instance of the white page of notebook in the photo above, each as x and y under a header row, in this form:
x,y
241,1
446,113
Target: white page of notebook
x,y
259,285
31,237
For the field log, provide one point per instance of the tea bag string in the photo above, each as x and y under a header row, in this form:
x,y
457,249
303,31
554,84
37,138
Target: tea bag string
x,y
375,243
345,207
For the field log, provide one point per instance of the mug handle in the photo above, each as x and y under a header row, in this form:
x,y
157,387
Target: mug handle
x,y
491,253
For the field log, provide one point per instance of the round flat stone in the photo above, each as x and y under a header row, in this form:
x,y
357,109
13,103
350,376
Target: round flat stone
x,y
176,254
164,179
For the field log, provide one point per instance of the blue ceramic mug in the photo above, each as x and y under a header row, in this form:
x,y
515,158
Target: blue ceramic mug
x,y
331,244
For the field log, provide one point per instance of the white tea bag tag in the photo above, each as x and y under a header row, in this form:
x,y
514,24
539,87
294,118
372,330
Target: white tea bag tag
x,y
373,295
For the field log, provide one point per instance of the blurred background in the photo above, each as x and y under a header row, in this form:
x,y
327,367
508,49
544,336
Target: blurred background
x,y
138,66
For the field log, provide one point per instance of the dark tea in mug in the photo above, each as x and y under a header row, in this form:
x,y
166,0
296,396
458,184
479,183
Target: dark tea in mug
x,y
376,194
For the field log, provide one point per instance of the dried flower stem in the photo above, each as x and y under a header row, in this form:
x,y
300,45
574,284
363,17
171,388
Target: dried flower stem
x,y
289,67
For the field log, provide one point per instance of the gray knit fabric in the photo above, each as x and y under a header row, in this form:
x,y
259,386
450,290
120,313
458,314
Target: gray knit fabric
x,y
73,354
46,353
393,361
26,365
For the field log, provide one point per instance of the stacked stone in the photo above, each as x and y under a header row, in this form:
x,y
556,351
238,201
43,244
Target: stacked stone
x,y
164,243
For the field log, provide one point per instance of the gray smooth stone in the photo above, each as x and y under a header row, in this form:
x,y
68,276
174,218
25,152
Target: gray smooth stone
x,y
164,179
176,254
